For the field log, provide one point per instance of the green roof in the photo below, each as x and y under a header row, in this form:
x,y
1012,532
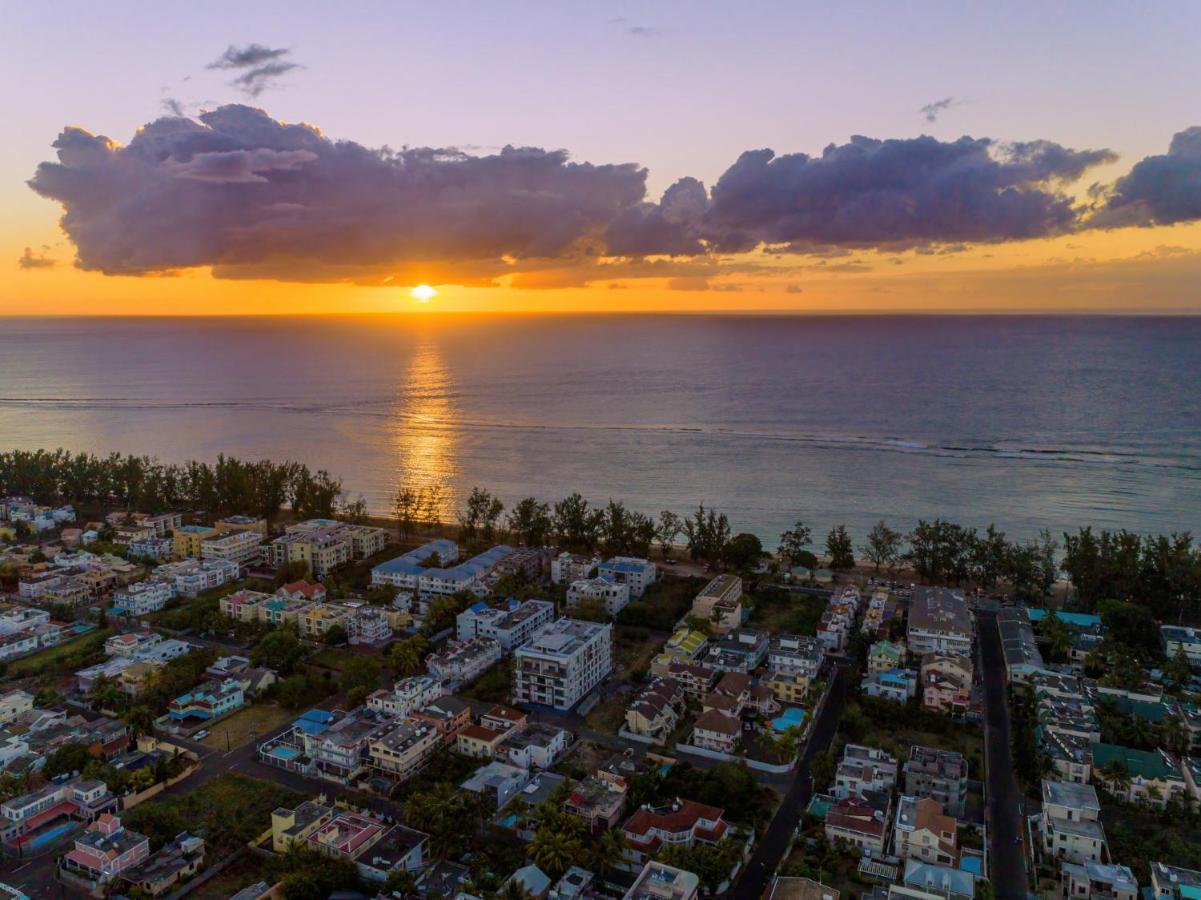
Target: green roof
x,y
886,648
1147,710
687,640
1145,764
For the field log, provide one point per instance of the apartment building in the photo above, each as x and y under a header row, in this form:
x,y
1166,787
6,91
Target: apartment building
x,y
659,881
142,597
368,625
562,662
238,547
190,576
863,769
187,540
322,549
244,605
613,596
407,695
105,851
598,800
1018,646
720,603
315,621
939,622
885,655
13,703
1096,881
242,523
568,567
432,570
403,750
340,750
795,654
537,746
896,685
637,574
742,650
1154,776
75,799
1070,823
684,646
462,662
939,775
510,625
150,548
861,820
1170,882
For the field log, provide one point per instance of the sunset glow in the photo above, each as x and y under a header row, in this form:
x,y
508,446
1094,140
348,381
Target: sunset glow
x,y
423,293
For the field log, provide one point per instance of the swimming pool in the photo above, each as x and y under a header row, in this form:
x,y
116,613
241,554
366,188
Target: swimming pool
x,y
793,717
49,836
284,752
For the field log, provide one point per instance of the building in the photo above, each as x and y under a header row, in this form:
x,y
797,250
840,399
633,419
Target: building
x,y
498,781
789,688
346,835
191,576
448,715
186,539
742,650
940,775
598,800
510,625
946,683
884,656
176,861
717,731
367,625
1022,657
637,574
659,881
74,799
1170,882
242,523
720,603
939,622
682,824
105,851
694,680
1094,880
244,605
403,750
686,645
151,548
928,881
861,820
401,849
413,572
1154,776
612,596
1177,639
568,567
316,620
655,712
142,598
562,662
340,751
405,571
897,685
462,662
795,654
13,703
238,547
537,746
291,827
786,888
208,701
924,832
1070,823
407,695
863,769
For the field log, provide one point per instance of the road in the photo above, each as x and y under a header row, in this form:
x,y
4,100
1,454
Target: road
x,y
1006,857
769,852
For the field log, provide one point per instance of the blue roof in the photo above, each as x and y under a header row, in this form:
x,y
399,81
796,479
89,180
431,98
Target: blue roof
x,y
626,566
323,716
411,562
1080,620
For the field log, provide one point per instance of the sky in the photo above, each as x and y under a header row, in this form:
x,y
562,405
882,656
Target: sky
x,y
576,157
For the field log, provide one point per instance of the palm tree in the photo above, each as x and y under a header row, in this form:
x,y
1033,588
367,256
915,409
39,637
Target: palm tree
x,y
513,890
104,693
1116,777
1175,734
140,720
554,851
608,850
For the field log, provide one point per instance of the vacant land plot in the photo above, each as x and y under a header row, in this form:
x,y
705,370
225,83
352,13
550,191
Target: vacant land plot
x,y
66,657
252,723
776,610
633,650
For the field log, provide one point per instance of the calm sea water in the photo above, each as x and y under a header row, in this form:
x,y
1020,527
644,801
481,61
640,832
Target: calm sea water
x,y
1030,422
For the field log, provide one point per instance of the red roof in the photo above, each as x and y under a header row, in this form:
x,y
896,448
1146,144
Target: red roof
x,y
684,818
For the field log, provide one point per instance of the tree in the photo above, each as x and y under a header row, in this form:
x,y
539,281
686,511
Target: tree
x,y
67,758
576,524
336,636
883,547
708,533
406,655
140,720
670,527
530,520
794,542
361,671
554,851
280,650
840,549
821,767
1058,639
406,506
744,551
105,694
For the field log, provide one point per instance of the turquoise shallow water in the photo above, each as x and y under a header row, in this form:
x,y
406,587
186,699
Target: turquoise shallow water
x,y
1031,422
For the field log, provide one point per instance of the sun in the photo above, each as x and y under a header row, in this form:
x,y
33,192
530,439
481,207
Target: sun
x,y
423,293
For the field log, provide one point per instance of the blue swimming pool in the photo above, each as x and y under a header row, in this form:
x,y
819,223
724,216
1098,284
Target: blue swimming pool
x,y
284,752
793,717
49,836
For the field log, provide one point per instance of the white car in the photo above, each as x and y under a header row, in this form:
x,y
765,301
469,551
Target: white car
x,y
201,734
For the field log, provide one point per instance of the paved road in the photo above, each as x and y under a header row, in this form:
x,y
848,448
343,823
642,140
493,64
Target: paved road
x,y
1007,859
771,849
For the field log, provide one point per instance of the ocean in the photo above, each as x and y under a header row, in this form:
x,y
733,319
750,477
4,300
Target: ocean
x,y
1028,421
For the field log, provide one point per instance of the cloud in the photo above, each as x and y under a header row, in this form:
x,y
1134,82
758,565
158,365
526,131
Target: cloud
x,y
635,30
31,260
1158,190
174,107
260,66
933,110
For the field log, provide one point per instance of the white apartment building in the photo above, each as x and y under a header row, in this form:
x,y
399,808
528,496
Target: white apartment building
x,y
191,576
562,662
142,597
639,574
239,547
408,695
612,595
568,567
796,655
14,619
465,661
510,625
939,622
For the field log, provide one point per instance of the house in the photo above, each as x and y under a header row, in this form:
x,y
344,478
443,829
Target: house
x,y
655,712
403,750
717,731
885,656
562,662
401,849
105,851
238,547
1170,882
407,695
694,680
504,718
599,800
863,769
659,881
609,595
1177,639
498,781
1018,645
795,654
462,662
929,881
683,823
637,574
13,703
73,799
576,884
177,860
536,746
897,685
923,831
302,590
208,701
531,881
940,775
686,645
448,715
132,643
939,622
790,688
742,650
1070,823
946,683
293,826
789,888
1154,776
340,750
244,605
861,820
720,604
346,835
1071,756
1095,880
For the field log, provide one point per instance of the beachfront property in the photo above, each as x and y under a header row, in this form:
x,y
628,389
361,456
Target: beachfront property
x,y
142,598
412,572
720,604
742,650
407,695
863,769
1070,823
612,596
191,576
941,775
636,573
562,662
242,523
939,622
923,831
103,852
462,662
663,882
321,548
208,701
510,625
568,567
686,646
240,547
684,823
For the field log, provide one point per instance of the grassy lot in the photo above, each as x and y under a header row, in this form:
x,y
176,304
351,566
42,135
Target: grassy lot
x,y
633,650
608,717
664,603
332,658
494,686
68,656
252,723
895,728
776,610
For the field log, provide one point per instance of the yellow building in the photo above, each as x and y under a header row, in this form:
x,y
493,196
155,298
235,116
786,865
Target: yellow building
x,y
789,688
289,826
186,540
318,619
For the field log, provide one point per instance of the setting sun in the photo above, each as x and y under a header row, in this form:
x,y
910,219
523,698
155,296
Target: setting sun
x,y
423,293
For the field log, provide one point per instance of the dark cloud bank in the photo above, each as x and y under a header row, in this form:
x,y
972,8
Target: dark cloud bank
x,y
256,198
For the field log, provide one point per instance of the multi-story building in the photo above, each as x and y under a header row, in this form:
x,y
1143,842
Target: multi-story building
x,y
1170,882
187,539
686,646
682,824
1018,646
946,683
863,769
177,860
861,820
598,800
13,703
132,643
210,700
655,712
151,548
611,595
403,750
105,851
340,752
537,746
510,625
365,540
790,688
322,549
568,567
189,577
345,835
369,625
885,655
1152,776
238,547
242,523
291,827
923,831
142,597
638,574
717,731
405,571
793,653
562,662
15,618
742,650
659,881
244,605
940,775
462,662
1070,823
318,618
1098,881
1177,639
939,622
720,603
897,685
498,781
407,695
75,799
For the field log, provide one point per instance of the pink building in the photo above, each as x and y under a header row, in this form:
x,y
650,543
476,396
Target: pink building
x,y
105,850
